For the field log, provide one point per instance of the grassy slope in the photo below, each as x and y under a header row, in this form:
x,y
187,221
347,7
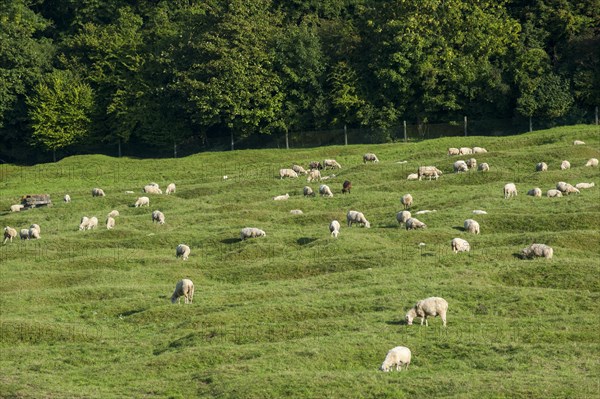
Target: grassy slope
x,y
297,313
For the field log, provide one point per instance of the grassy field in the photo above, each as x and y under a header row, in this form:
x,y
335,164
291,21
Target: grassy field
x,y
299,314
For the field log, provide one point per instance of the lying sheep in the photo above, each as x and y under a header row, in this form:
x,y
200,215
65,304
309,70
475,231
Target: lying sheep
x,y
97,192
34,232
313,175
334,228
370,157
152,189
299,169
315,165
396,357
67,198
24,234
171,189
453,151
325,191
414,223
578,142
484,167
510,190
471,226
308,191
158,217
92,223
113,214
141,201
433,306
296,212
460,166
346,187
429,171
110,223
592,162
16,208
424,211
472,163
479,212
541,167
584,185
535,192
406,200
251,232
185,289
537,250
9,234
403,216
331,163
287,173
84,222
182,251
566,188
327,177
553,193
357,217
413,176
465,151
479,150
564,165
460,245
281,197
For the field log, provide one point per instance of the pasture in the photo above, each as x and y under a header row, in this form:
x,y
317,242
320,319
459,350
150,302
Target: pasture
x,y
298,313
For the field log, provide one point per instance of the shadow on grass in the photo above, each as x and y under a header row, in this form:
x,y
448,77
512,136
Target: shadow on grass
x,y
305,240
132,312
396,322
459,228
392,226
230,240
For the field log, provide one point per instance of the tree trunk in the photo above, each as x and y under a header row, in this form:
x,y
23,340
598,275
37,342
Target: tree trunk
x,y
232,141
345,135
287,140
530,125
119,148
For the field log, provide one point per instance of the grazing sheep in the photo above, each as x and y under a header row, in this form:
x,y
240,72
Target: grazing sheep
x,y
313,175
92,223
433,306
110,223
171,188
537,250
413,176
97,192
535,192
453,151
406,200
403,216
484,167
460,166
578,142
471,226
479,150
9,234
141,201
370,157
584,185
429,171
315,165
84,222
182,251
334,228
541,167
113,214
185,289
308,191
510,190
566,188
34,231
414,223
472,163
460,245
281,197
24,234
553,193
287,173
331,163
158,217
251,232
325,191
479,212
299,169
296,212
564,165
346,187
465,151
592,162
396,357
357,217
16,208
67,198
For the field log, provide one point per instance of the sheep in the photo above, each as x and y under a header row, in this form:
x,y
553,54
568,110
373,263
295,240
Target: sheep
x,y
471,226
327,177
281,197
92,223
152,189
433,306
578,142
479,212
541,167
566,188
308,191
24,234
465,151
403,216
315,165
110,223
16,208
67,198
97,192
334,228
171,188
537,250
35,231
357,217
510,190
325,191
453,151
472,163
287,173
424,211
398,357
158,217
429,171
84,222
553,193
479,150
406,200
9,234
185,289
460,245
141,201
296,212
299,169
113,214
484,167
251,232
592,162
414,223
413,176
535,192
370,157
460,166
313,175
182,251
584,185
346,187
564,165
331,163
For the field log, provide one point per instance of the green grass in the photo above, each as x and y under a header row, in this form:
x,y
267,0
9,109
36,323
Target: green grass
x,y
298,313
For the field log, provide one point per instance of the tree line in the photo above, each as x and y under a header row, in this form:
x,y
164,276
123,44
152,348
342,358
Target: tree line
x,y
164,72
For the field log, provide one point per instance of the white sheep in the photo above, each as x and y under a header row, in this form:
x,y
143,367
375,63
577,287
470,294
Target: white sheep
x,y
16,208
357,217
479,150
584,185
113,214
97,192
472,163
308,191
483,167
564,165
460,245
465,151
296,212
471,226
537,250
34,231
406,200
334,228
566,188
403,216
158,217
553,193
9,234
460,166
424,211
281,197
110,223
84,222
313,175
535,192
453,151
185,289
325,191
370,157
299,169
67,198
331,163
171,188
182,251
479,212
433,306
429,171
592,162
510,190
141,201
414,223
413,176
152,188
396,357
541,167
92,223
251,232
24,234
578,142
287,173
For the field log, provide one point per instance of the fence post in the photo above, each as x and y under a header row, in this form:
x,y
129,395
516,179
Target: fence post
x,y
465,125
345,135
232,140
405,135
174,150
287,140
